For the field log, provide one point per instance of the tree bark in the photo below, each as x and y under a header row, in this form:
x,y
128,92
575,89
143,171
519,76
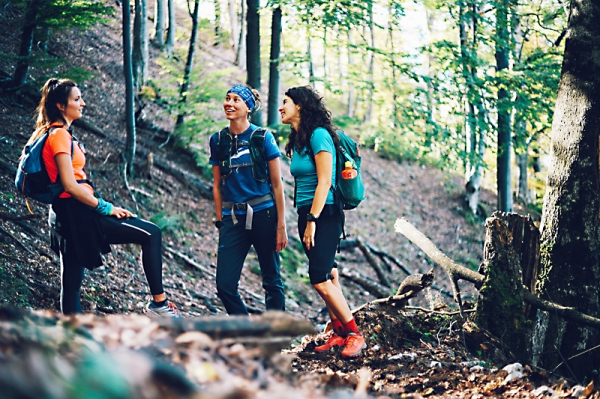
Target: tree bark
x,y
570,225
130,141
172,27
500,302
188,67
140,43
273,113
350,109
22,68
503,176
253,53
233,23
371,90
217,5
240,58
311,69
160,22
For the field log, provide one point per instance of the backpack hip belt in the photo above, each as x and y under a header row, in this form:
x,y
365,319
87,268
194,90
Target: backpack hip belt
x,y
247,206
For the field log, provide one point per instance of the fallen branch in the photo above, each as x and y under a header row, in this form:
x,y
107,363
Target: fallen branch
x,y
432,311
13,218
409,288
373,262
370,286
191,262
269,324
83,123
455,270
18,241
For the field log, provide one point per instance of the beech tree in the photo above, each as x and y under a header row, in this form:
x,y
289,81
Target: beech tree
x,y
188,66
570,226
160,22
140,43
253,52
172,27
273,113
130,141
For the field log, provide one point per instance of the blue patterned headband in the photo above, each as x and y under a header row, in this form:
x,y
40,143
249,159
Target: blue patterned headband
x,y
246,95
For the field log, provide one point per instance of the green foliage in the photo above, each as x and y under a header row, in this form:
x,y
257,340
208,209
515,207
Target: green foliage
x,y
166,222
64,14
203,107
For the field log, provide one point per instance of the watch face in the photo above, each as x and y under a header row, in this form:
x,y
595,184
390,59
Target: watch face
x,y
310,217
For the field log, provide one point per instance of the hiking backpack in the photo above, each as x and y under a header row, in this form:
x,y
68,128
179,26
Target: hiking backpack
x,y
32,179
350,192
225,142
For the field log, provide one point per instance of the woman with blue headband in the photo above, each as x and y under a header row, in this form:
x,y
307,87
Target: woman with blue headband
x,y
249,201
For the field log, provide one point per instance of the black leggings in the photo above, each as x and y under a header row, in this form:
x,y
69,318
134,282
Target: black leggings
x,y
117,231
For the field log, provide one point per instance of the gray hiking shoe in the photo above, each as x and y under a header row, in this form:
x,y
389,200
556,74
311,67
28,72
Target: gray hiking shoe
x,y
167,310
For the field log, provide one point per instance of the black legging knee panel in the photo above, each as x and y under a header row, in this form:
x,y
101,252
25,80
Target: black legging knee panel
x,y
146,234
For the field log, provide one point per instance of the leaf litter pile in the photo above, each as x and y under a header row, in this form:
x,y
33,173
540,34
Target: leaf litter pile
x,y
409,354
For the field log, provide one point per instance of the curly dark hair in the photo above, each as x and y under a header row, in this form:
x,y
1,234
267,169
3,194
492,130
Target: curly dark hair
x,y
313,114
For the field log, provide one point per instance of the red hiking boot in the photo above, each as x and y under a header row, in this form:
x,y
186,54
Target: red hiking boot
x,y
355,343
333,341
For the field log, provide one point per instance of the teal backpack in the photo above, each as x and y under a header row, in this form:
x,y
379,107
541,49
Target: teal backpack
x,y
349,192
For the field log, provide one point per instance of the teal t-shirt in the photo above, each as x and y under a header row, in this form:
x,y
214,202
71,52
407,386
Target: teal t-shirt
x,y
304,171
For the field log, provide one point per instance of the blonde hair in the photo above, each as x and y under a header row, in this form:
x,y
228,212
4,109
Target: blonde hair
x,y
55,91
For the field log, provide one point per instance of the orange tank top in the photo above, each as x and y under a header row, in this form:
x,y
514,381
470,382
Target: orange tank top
x,y
59,142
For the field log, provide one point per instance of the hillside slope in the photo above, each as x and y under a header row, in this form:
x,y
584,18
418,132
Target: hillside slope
x,y
427,197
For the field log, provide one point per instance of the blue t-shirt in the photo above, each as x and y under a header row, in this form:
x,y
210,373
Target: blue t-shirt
x,y
304,171
240,185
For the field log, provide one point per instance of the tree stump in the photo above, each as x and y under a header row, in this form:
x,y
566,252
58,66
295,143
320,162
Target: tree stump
x,y
500,302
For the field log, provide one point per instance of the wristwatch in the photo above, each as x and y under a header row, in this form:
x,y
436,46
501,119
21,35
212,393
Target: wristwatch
x,y
218,224
311,218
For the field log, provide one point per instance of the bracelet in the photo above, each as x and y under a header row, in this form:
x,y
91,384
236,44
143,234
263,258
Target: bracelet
x,y
104,207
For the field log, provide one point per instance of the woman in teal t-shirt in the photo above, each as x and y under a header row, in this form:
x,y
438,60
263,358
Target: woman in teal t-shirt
x,y
311,145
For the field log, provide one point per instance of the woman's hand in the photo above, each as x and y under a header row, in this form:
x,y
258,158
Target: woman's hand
x,y
282,239
121,213
309,235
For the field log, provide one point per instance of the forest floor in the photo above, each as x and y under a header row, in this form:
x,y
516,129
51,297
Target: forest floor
x,y
409,352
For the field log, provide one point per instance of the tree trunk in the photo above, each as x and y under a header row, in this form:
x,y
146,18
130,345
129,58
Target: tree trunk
x,y
140,43
273,114
20,75
503,177
188,67
500,301
371,90
475,132
311,70
240,58
570,248
234,33
217,4
253,52
523,162
160,22
350,111
129,89
172,27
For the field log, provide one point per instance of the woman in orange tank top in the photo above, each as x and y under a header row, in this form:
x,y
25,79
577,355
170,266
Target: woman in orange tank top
x,y
83,226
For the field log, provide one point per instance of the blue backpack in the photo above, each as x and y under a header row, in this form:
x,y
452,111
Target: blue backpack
x,y
32,179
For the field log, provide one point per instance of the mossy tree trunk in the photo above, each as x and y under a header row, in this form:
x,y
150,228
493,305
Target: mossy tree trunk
x,y
500,302
570,225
